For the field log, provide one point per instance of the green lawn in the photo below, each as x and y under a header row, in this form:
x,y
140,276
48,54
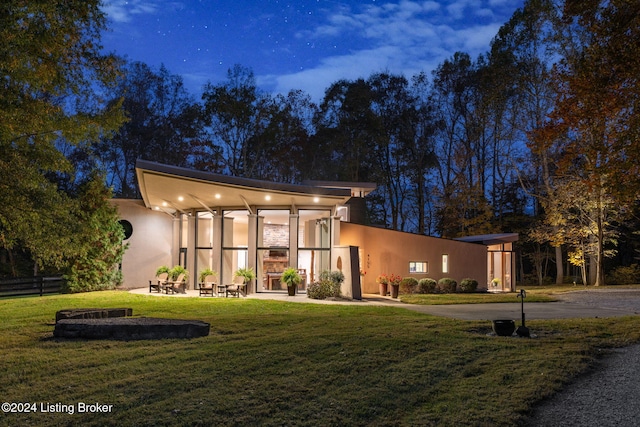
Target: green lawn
x,y
277,363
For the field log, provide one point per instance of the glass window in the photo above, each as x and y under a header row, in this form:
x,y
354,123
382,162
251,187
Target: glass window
x,y
314,243
127,228
204,230
273,248
235,229
235,240
418,267
314,229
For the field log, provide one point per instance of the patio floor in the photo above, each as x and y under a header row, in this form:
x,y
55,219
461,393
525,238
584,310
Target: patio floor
x,y
372,299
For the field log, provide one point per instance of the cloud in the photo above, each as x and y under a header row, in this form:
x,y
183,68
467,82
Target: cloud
x,y
124,10
406,37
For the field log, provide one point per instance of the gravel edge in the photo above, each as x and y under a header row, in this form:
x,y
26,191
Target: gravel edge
x,y
607,395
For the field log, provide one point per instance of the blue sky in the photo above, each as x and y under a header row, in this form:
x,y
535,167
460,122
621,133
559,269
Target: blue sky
x,y
304,44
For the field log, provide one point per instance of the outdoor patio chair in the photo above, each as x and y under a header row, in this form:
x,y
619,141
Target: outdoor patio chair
x,y
236,287
208,286
178,285
158,283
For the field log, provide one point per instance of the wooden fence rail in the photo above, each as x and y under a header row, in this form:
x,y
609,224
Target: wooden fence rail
x,y
31,286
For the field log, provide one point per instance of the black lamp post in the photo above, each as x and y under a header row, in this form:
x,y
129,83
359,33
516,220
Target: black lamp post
x,y
522,330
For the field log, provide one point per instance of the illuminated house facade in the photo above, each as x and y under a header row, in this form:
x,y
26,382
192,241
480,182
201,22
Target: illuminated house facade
x,y
204,220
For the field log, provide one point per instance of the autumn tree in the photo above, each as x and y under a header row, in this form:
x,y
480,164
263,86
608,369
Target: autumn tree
x,y
595,114
526,45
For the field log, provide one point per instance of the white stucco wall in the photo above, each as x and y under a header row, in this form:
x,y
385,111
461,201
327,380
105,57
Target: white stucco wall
x,y
150,244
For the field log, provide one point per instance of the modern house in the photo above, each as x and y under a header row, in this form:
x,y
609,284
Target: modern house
x,y
204,220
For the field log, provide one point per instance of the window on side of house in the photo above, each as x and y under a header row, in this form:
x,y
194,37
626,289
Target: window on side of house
x,y
445,263
418,267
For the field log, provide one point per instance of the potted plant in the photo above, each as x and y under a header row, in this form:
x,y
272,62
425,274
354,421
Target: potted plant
x,y
208,287
160,282
176,271
247,273
383,281
162,269
206,272
291,277
394,282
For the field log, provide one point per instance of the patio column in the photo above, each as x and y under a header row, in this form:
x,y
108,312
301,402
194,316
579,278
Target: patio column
x,y
191,250
252,250
335,231
294,220
216,263
175,241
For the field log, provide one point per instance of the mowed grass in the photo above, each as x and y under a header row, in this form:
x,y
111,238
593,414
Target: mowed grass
x,y
276,363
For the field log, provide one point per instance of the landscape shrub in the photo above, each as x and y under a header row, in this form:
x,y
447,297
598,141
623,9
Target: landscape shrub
x,y
91,257
447,285
623,275
468,285
408,285
328,285
321,289
333,276
427,286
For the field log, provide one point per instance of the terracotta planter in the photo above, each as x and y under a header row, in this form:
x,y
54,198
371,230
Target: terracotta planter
x,y
394,291
383,289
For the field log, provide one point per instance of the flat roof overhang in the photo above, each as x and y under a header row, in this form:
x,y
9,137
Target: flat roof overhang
x,y
172,188
490,239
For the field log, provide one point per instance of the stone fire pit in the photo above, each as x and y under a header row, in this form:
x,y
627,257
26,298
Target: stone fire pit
x,y
101,326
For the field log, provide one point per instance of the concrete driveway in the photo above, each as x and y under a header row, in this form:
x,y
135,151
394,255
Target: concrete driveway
x,y
592,303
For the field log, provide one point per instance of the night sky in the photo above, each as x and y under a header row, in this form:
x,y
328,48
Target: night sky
x,y
304,44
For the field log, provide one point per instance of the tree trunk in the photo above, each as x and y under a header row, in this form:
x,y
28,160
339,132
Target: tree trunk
x,y
559,266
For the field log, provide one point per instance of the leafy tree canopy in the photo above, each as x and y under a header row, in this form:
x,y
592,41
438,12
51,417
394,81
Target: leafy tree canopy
x,y
51,76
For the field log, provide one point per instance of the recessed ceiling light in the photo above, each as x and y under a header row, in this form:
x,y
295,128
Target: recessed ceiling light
x,y
316,199
267,197
164,204
217,196
180,198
